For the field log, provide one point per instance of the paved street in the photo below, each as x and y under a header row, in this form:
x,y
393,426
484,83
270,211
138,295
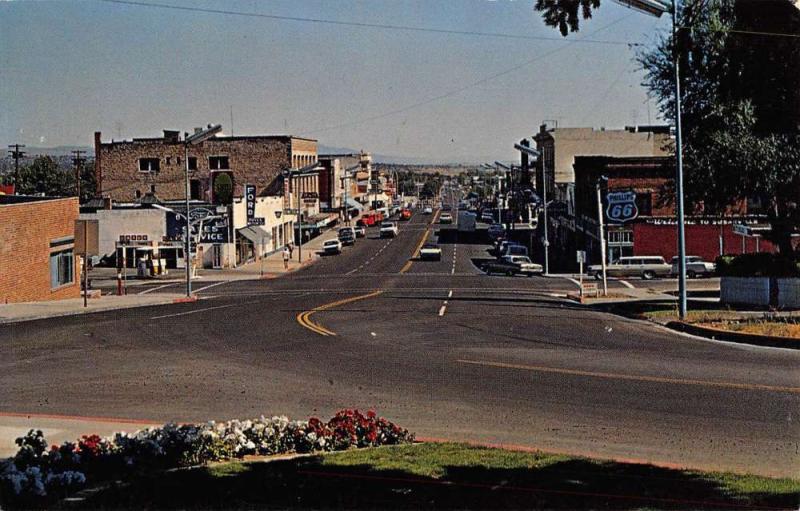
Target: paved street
x,y
438,346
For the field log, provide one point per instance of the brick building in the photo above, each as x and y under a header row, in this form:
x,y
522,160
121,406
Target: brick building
x,y
560,146
219,167
654,231
338,181
37,253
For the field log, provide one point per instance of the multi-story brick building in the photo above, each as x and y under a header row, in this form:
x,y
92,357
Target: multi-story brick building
x,y
37,252
219,167
560,146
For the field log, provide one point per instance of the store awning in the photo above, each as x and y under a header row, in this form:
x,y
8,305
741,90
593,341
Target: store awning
x,y
255,233
354,204
317,221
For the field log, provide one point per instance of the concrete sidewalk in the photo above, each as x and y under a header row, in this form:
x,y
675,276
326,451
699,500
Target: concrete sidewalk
x,y
27,311
58,429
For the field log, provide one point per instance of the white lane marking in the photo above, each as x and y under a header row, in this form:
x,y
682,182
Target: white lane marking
x,y
626,284
155,288
450,294
210,286
441,311
193,311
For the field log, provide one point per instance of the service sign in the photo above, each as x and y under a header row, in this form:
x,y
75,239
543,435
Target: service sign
x,y
210,225
621,207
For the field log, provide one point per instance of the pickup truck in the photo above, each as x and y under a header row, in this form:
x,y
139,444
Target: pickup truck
x,y
513,265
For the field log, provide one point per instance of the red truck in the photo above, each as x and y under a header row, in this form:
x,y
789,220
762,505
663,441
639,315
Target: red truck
x,y
405,214
369,219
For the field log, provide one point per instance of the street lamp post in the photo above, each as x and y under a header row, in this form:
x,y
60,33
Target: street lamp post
x,y
196,138
657,8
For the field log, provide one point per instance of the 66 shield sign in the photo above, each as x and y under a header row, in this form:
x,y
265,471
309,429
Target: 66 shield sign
x,y
621,206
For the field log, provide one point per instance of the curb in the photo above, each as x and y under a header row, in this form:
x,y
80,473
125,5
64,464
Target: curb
x,y
187,299
718,334
82,312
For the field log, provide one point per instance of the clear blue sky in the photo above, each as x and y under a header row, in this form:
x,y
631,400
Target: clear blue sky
x,y
70,67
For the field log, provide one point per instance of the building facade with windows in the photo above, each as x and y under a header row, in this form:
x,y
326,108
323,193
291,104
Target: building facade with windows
x,y
654,230
560,147
219,168
37,253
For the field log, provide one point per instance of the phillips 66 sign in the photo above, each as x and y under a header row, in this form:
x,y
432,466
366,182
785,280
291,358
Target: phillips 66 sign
x,y
621,206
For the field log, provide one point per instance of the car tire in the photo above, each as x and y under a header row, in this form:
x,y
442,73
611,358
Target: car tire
x,y
691,274
648,275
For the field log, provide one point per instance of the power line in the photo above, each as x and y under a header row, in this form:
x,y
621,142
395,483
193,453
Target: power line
x,y
407,28
458,90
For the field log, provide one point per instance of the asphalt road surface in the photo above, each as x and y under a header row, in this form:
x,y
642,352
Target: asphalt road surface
x,y
437,346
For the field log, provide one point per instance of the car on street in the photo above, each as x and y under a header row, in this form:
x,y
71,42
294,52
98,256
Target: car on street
x,y
514,249
646,267
430,252
501,247
332,247
427,210
495,231
446,207
388,230
513,265
347,235
405,214
360,231
487,217
695,267
446,218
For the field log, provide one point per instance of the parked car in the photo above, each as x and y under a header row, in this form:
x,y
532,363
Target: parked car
x,y
501,248
360,231
495,231
430,251
646,267
427,210
388,230
514,250
487,217
347,236
695,267
513,265
332,247
446,218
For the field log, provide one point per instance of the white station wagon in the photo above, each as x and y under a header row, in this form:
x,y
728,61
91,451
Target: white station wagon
x,y
646,267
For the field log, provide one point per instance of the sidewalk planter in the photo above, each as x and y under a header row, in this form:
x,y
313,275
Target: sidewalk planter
x,y
745,291
788,293
764,292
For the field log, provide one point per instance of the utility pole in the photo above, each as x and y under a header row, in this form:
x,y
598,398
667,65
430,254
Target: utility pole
x,y
78,162
602,235
16,154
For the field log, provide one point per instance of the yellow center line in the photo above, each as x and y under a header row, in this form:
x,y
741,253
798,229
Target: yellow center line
x,y
304,318
422,241
632,377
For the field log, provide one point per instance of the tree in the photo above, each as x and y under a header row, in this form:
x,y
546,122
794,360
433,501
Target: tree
x,y
565,14
44,176
739,141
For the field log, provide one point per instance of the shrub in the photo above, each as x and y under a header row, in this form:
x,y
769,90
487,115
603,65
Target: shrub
x,y
762,264
36,474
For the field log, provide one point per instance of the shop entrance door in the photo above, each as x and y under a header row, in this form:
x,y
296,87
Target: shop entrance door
x,y
216,256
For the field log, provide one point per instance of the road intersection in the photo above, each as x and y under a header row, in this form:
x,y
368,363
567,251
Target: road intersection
x,y
436,345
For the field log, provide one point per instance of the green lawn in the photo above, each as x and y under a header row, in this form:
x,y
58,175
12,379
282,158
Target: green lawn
x,y
445,476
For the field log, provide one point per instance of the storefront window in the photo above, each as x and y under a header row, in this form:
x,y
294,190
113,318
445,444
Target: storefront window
x,y
62,268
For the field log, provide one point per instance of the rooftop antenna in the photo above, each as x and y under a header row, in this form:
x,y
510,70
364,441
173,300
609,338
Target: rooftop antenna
x,y
231,120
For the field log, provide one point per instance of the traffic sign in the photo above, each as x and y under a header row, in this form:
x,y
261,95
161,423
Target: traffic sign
x,y
581,256
621,207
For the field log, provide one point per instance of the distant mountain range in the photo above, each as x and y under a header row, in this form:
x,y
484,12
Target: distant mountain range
x,y
321,149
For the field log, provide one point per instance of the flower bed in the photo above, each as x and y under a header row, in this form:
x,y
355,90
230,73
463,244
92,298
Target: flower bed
x,y
37,474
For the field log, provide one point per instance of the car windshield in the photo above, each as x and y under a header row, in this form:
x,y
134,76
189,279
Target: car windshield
x,y
178,182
